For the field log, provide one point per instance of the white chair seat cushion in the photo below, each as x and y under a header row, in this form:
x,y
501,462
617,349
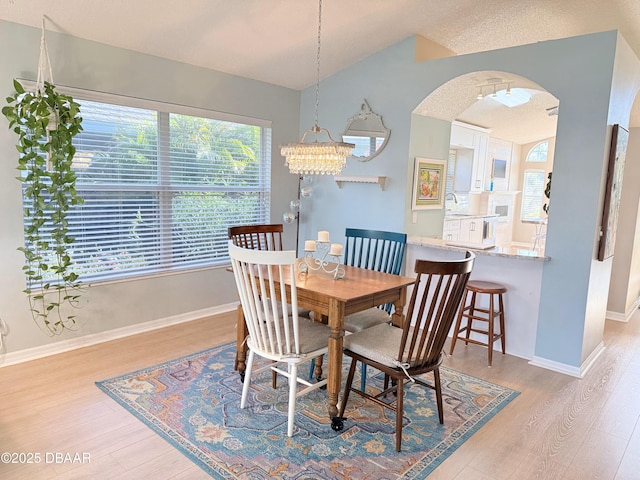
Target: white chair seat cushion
x,y
371,317
379,343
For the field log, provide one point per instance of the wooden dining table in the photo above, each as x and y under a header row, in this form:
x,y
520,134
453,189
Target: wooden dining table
x,y
333,299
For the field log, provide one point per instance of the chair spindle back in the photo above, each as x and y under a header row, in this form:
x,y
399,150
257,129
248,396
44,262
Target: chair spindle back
x,y
375,250
273,328
257,237
435,300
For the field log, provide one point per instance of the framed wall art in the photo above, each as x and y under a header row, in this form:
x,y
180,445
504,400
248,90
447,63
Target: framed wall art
x,y
429,184
613,192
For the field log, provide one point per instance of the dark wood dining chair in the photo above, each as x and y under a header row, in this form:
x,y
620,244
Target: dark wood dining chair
x,y
257,237
415,348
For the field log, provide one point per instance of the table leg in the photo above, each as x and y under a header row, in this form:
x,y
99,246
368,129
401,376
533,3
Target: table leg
x,y
241,347
397,319
317,363
334,375
317,370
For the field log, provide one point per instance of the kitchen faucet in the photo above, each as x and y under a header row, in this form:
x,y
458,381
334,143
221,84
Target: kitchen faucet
x,y
455,197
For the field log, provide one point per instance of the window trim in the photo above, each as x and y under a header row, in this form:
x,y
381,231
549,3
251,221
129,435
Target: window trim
x,y
528,157
160,106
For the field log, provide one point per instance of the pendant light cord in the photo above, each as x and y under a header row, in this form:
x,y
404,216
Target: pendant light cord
x,y
317,128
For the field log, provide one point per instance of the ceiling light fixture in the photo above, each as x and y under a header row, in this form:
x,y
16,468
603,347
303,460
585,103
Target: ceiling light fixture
x,y
317,158
551,111
501,91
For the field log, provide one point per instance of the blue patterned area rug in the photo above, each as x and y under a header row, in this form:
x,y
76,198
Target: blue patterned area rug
x,y
194,404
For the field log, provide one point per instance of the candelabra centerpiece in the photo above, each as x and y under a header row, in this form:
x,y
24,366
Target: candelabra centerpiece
x,y
316,253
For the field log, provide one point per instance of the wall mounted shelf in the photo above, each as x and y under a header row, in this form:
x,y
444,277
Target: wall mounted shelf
x,y
379,180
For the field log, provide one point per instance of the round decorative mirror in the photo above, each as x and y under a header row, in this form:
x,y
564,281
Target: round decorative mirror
x,y
366,130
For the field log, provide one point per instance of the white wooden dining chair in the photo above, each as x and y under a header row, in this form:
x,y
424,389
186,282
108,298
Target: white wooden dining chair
x,y
258,237
276,333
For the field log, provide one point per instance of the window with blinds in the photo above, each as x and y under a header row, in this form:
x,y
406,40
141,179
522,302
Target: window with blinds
x,y
532,195
533,184
161,188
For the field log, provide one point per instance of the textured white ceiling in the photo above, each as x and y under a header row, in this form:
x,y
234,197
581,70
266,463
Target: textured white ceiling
x,y
275,40
457,100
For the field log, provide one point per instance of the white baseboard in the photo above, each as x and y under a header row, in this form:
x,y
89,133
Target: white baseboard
x,y
623,317
579,372
34,353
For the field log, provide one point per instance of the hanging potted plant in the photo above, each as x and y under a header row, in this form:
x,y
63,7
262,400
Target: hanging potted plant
x,y
46,122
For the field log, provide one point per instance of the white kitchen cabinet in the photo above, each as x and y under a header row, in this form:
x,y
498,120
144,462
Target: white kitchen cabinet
x,y
471,230
478,174
451,230
461,135
475,139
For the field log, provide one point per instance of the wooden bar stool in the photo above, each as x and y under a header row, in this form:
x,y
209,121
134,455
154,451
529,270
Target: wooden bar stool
x,y
472,312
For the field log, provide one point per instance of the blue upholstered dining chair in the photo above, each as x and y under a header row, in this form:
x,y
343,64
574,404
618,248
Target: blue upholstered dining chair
x,y
374,250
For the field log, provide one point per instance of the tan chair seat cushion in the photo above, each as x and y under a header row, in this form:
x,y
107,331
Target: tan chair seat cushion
x,y
366,319
313,336
379,343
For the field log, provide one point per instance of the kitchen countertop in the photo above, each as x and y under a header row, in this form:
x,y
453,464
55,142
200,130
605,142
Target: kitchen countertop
x,y
460,216
513,252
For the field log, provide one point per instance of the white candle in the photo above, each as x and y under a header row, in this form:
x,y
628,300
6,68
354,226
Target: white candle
x,y
310,246
323,236
336,249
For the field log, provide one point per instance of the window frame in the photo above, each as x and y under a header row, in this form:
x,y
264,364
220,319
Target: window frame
x,y
163,263
535,149
535,196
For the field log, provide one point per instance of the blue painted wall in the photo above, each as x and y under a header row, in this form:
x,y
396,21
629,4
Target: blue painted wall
x,y
579,72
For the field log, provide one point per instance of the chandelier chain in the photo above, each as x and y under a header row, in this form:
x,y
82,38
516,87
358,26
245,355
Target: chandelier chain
x,y
318,65
317,158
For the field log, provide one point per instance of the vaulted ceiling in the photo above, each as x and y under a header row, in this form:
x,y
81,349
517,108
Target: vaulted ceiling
x,y
275,40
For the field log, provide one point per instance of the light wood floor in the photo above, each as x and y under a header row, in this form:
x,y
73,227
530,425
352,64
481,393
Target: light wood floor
x,y
559,427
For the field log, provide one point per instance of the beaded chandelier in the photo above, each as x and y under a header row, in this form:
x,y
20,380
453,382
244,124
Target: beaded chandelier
x,y
317,158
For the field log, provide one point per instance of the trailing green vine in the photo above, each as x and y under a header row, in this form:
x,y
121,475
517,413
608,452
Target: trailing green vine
x,y
46,122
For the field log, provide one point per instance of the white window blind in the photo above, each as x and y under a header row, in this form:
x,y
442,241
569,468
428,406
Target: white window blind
x,y
161,188
451,172
532,194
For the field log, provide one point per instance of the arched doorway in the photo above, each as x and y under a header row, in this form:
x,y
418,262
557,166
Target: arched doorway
x,y
517,116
